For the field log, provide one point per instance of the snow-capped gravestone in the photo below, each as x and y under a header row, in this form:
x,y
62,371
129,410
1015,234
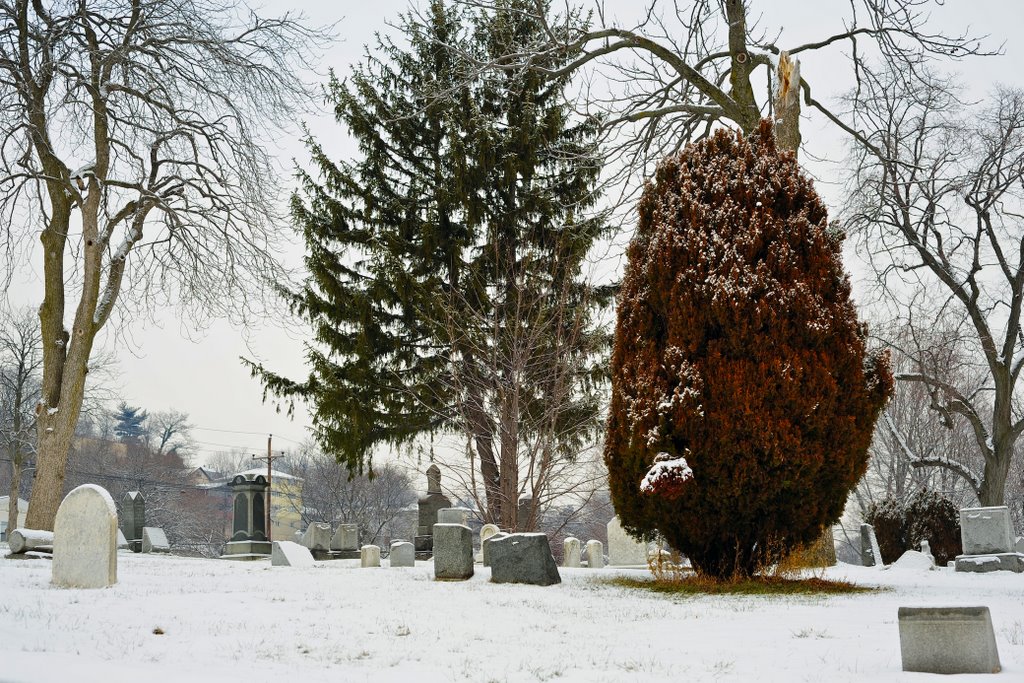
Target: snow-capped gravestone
x,y
571,552
369,556
290,554
870,554
912,559
345,543
454,516
595,554
523,558
402,554
485,557
987,540
122,542
948,640
453,552
85,539
154,540
623,549
317,536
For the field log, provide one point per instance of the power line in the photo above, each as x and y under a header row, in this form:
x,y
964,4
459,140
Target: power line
x,y
238,431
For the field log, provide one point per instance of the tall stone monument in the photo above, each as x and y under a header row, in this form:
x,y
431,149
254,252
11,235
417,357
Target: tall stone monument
x,y
429,505
133,519
249,527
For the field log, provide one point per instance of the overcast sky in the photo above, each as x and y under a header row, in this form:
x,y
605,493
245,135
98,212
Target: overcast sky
x,y
198,371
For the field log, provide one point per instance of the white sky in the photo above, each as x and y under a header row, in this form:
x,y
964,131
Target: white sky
x,y
198,372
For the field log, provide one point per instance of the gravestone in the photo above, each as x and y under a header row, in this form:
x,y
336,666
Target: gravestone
x,y
85,539
122,542
523,558
486,531
317,536
369,556
1019,545
345,543
948,640
290,554
249,521
524,512
428,507
926,550
914,560
571,552
485,547
871,555
453,552
154,540
21,541
133,519
987,541
623,549
454,516
403,554
595,554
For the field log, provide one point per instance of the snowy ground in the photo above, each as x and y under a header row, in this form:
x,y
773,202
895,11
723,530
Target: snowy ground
x,y
336,622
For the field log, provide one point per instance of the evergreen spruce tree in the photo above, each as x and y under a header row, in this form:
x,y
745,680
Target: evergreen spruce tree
x,y
128,422
445,288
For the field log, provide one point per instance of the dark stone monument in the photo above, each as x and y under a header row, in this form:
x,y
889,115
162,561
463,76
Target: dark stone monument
x,y
133,519
429,505
249,526
522,558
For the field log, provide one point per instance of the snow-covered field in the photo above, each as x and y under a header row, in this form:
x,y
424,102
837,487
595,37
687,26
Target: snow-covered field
x,y
234,621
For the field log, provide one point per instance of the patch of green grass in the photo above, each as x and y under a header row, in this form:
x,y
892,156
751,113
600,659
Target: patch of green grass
x,y
758,585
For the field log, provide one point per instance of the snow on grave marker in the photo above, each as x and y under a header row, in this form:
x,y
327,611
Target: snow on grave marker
x,y
85,539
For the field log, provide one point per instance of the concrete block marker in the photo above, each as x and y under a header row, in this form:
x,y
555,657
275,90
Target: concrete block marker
x,y
290,554
948,640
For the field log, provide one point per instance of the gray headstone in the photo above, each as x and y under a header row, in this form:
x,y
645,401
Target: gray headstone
x,y
595,554
428,507
484,547
369,556
154,540
571,552
290,554
403,554
948,640
85,539
523,558
870,554
317,536
913,559
623,549
453,552
454,516
133,511
986,531
346,537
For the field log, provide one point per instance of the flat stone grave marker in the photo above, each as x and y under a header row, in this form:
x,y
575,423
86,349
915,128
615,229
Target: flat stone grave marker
x,y
154,540
290,554
85,539
403,554
571,552
595,554
453,552
122,542
523,558
369,556
948,640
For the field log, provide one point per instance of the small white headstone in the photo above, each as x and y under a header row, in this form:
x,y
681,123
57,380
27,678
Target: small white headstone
x,y
913,559
154,540
402,554
623,549
369,556
290,554
571,552
85,539
595,554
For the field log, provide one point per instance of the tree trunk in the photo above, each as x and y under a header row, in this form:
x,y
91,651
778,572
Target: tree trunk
x,y
787,103
14,492
993,483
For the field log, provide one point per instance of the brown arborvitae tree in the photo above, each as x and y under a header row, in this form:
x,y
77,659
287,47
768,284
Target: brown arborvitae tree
x,y
743,398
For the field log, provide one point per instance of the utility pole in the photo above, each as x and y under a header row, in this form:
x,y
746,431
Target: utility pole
x,y
270,458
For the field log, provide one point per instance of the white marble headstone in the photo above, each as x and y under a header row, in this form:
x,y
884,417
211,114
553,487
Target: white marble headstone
x,y
85,539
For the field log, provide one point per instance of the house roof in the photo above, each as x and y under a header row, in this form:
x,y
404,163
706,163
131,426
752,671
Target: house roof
x,y
275,474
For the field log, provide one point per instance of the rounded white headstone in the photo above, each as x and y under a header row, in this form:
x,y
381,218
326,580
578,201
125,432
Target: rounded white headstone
x,y
85,539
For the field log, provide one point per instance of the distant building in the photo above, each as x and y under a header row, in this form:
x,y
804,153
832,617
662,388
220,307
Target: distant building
x,y
20,522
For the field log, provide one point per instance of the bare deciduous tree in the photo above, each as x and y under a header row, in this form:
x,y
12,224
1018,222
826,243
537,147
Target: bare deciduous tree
x,y
131,146
684,67
168,430
21,362
937,207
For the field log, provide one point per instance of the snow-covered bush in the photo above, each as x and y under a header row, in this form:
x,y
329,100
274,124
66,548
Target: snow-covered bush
x,y
743,398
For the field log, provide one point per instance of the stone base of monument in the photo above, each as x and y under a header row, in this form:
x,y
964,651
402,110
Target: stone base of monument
x,y
1011,562
338,555
424,547
246,550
